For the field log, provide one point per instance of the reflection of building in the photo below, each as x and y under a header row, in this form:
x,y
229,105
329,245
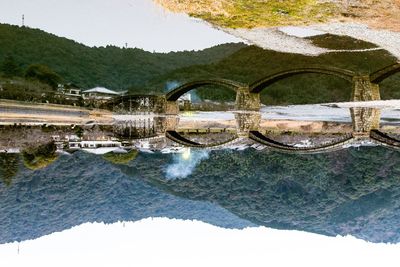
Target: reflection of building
x,y
94,144
96,147
100,93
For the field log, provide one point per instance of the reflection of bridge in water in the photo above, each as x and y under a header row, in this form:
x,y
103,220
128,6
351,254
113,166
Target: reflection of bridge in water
x,y
365,128
365,121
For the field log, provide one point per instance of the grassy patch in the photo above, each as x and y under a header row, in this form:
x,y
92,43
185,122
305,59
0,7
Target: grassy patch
x,y
255,13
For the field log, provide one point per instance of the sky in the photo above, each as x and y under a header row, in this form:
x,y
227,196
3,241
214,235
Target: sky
x,y
169,242
139,23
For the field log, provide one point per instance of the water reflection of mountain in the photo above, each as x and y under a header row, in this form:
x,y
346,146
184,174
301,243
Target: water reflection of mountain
x,y
84,188
352,191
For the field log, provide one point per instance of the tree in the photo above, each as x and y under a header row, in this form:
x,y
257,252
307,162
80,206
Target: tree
x,y
121,158
10,67
9,164
39,157
43,74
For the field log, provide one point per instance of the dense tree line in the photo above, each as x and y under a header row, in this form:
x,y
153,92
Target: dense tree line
x,y
112,67
36,83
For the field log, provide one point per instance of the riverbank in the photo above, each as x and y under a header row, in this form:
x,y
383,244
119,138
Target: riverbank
x,y
17,112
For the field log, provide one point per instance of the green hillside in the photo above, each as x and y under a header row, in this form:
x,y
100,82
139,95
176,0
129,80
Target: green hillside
x,y
252,63
143,72
112,67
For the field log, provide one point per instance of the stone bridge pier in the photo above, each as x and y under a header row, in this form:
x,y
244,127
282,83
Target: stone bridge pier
x,y
364,120
167,123
246,122
245,100
166,107
364,89
171,107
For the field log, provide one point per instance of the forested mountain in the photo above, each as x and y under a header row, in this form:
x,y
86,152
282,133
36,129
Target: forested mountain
x,y
112,67
145,72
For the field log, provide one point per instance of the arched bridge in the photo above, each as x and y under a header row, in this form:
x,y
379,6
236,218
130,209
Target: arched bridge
x,y
375,135
176,137
365,87
184,88
384,139
275,145
360,82
259,85
382,74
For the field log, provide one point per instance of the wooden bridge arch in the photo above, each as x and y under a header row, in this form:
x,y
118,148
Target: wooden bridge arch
x,y
176,137
184,88
329,147
382,74
384,139
259,85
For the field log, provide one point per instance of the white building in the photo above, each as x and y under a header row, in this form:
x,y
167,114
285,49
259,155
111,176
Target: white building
x,y
185,97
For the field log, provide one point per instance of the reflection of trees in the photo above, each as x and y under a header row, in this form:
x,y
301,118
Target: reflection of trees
x,y
120,158
8,167
9,67
345,192
39,157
